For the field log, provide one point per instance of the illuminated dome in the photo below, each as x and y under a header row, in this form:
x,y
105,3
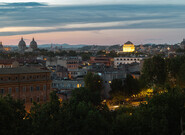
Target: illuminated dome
x,y
128,47
22,45
33,44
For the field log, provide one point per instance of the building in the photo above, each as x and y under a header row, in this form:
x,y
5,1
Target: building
x,y
27,84
33,44
128,47
77,73
101,60
9,63
64,87
108,75
126,60
67,62
22,45
182,45
67,84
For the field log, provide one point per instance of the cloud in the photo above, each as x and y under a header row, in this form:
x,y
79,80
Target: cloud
x,y
27,18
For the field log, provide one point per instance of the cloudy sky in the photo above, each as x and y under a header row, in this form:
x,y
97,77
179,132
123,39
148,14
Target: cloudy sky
x,y
92,21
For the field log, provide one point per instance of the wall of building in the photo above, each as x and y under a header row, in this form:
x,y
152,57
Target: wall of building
x,y
126,60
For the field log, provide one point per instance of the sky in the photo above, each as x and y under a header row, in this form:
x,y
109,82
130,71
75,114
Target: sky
x,y
93,22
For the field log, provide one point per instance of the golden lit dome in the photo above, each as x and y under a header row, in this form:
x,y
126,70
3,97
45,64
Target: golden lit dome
x,y
128,47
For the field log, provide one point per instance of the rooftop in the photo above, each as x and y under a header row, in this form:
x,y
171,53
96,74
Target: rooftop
x,y
128,42
21,70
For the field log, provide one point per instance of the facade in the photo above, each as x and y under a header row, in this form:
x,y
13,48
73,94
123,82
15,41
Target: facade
x,y
128,47
108,76
67,84
67,62
9,63
74,73
101,60
126,60
22,45
28,84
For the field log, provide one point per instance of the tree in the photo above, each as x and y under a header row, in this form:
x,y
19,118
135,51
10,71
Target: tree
x,y
154,71
85,95
93,82
116,85
12,113
131,86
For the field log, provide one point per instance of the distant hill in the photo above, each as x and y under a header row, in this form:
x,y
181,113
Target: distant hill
x,y
61,45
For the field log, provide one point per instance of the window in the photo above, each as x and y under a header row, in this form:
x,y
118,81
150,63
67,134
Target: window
x,y
24,89
17,89
38,99
10,90
2,91
44,98
44,87
24,100
9,78
31,88
31,100
38,88
16,78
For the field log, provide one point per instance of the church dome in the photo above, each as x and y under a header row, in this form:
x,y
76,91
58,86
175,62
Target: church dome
x,y
1,45
22,44
183,42
33,44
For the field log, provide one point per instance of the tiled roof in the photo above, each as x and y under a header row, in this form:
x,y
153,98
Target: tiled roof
x,y
21,70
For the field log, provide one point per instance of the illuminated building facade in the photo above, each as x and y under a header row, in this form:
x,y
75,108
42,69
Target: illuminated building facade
x,y
128,47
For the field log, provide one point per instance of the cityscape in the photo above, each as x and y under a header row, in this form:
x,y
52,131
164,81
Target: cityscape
x,y
91,67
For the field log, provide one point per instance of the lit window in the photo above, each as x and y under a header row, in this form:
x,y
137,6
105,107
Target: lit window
x,y
109,81
78,85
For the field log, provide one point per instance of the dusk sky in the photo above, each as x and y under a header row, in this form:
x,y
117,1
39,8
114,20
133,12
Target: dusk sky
x,y
102,22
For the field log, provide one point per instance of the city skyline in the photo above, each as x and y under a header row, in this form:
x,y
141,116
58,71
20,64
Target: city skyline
x,y
102,23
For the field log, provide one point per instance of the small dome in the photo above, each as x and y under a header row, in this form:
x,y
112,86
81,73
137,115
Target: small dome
x,y
22,44
33,44
1,45
183,42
